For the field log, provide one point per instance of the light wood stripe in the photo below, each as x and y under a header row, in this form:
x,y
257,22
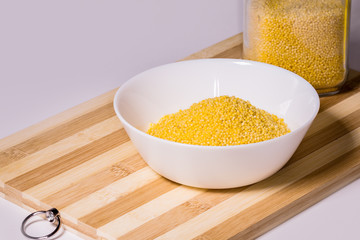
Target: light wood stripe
x,y
67,129
128,202
264,189
180,214
60,148
147,212
111,193
57,120
68,161
85,186
66,181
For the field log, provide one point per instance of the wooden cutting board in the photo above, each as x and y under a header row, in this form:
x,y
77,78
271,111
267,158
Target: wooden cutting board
x,y
83,163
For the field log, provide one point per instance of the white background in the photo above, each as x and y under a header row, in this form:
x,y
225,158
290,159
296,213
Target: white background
x,y
57,54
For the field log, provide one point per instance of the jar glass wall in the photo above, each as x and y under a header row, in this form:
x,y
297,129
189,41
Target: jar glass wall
x,y
307,37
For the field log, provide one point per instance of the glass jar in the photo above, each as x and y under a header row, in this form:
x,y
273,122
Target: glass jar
x,y
307,37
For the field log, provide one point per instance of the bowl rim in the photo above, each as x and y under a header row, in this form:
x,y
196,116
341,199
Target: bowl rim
x,y
248,145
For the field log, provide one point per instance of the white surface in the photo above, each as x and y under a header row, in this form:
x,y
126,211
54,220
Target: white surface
x,y
56,54
159,91
10,223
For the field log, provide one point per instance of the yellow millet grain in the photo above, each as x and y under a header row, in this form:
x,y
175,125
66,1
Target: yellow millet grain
x,y
307,37
219,121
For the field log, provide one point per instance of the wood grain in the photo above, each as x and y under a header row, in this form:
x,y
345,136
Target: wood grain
x,y
82,162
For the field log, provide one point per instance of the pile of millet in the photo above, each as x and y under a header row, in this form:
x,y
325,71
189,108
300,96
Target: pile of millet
x,y
219,121
307,37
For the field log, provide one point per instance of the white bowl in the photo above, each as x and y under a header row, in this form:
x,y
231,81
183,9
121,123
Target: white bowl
x,y
166,89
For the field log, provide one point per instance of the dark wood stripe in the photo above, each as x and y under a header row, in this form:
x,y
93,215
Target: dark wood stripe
x,y
65,130
326,135
234,52
128,202
180,214
68,161
273,210
10,155
91,184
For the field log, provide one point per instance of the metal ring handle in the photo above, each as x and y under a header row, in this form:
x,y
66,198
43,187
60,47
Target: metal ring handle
x,y
52,215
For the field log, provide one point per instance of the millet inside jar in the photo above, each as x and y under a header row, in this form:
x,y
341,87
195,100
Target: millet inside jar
x,y
306,37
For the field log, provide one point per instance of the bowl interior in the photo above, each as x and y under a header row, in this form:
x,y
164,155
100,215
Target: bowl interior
x,y
166,89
